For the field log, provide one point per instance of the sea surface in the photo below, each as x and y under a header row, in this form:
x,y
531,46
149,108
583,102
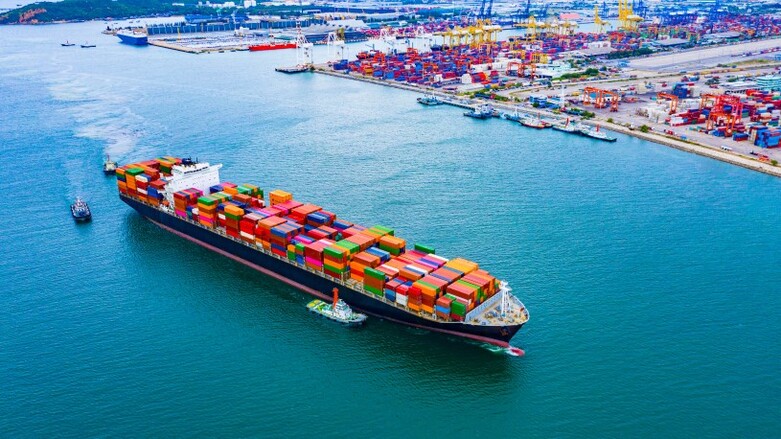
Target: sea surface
x,y
651,275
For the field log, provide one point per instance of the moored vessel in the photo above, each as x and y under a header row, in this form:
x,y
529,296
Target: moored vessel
x,y
313,250
595,133
484,111
133,37
566,127
533,122
272,45
430,100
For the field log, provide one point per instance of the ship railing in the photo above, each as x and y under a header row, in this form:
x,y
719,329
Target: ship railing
x,y
341,281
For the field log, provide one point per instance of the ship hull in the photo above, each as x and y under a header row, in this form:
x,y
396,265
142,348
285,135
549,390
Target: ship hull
x,y
134,40
312,283
275,46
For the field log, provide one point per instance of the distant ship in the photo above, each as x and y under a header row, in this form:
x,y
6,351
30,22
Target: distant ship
x,y
595,133
566,127
485,111
133,37
67,44
533,122
430,100
109,166
88,45
272,45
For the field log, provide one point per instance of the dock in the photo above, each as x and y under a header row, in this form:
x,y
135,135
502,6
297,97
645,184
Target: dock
x,y
471,104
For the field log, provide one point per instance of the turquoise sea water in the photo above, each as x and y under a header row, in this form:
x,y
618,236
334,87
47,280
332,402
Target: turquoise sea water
x,y
651,275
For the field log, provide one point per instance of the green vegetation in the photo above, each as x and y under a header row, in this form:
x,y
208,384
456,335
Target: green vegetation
x,y
577,75
78,10
645,128
774,162
609,120
643,51
587,115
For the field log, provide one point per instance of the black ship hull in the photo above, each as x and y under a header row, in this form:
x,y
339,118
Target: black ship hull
x,y
313,283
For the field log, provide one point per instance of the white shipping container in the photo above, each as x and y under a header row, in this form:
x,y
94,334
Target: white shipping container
x,y
401,299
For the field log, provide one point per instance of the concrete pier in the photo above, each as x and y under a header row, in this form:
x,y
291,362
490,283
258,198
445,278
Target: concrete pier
x,y
693,147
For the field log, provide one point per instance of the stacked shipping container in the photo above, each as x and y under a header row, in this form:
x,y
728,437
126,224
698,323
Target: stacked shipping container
x,y
374,258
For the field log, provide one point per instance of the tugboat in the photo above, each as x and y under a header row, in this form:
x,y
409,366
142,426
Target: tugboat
x,y
80,211
485,111
109,166
595,133
339,311
88,45
430,100
67,44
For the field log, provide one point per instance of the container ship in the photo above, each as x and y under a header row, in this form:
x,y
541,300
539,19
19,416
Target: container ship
x,y
312,249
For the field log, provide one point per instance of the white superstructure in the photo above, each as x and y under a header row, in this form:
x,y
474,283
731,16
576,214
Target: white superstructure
x,y
192,175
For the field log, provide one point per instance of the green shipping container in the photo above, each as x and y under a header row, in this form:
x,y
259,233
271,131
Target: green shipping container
x,y
377,274
373,290
458,308
291,255
207,200
425,249
391,250
353,248
334,269
338,252
383,229
134,171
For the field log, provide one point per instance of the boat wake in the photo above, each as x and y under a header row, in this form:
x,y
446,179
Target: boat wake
x,y
510,350
101,113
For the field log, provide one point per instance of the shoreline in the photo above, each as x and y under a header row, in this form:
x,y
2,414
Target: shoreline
x,y
686,146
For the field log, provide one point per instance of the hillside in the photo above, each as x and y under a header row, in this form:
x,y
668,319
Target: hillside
x,y
75,10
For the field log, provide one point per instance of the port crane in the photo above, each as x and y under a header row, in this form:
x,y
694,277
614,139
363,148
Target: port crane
x,y
673,100
485,13
602,98
303,50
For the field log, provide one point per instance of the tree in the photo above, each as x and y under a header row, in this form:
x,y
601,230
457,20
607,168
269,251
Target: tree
x,y
645,129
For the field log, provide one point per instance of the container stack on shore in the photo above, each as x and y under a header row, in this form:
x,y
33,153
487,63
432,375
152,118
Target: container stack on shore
x,y
372,258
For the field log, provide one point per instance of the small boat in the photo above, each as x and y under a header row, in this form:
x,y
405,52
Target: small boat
x,y
88,45
485,111
594,133
515,116
566,127
67,44
109,166
430,100
339,311
533,122
301,68
80,211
